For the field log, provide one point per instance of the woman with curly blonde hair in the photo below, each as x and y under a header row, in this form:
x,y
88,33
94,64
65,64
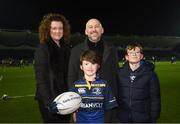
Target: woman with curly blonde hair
x,y
51,64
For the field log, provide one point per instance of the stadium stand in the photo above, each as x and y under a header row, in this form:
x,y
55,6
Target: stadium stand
x,y
20,44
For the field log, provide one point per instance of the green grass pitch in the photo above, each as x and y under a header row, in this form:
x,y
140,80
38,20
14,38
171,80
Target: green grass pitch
x,y
15,81
18,82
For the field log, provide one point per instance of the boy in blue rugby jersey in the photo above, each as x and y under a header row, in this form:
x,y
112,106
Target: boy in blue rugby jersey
x,y
96,94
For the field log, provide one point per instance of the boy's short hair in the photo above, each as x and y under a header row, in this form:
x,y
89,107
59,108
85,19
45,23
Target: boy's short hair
x,y
133,45
90,56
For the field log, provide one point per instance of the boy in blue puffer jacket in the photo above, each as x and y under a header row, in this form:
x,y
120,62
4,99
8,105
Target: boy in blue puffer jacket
x,y
138,88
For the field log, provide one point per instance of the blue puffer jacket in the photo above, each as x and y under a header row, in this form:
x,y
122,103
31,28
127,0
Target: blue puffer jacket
x,y
138,94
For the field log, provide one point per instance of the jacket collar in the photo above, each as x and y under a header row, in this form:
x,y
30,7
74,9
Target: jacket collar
x,y
107,48
97,78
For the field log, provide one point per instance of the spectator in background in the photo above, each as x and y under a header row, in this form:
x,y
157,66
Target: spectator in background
x,y
107,53
173,60
51,58
138,89
153,59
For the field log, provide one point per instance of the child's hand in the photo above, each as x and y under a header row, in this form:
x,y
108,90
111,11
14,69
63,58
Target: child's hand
x,y
53,108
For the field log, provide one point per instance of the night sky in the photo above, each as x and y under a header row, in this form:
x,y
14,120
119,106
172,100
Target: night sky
x,y
124,17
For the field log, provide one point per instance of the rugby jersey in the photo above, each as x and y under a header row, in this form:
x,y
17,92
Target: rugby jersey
x,y
96,98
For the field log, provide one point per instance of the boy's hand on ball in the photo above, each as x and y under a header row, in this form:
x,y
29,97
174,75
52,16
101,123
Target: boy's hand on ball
x,y
53,108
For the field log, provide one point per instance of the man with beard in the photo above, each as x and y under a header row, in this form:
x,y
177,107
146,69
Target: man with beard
x,y
108,56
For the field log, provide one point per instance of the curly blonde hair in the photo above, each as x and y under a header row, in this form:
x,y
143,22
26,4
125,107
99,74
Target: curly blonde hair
x,y
45,26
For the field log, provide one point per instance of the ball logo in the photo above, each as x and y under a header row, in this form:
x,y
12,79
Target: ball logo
x,y
72,98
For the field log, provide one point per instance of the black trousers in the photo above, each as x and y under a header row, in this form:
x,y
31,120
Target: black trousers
x,y
48,117
111,116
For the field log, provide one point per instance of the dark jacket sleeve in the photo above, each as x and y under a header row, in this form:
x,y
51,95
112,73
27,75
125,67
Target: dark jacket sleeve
x,y
116,67
42,75
155,98
73,69
67,56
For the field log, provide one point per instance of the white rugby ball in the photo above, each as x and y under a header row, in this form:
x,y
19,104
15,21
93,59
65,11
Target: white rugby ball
x,y
68,102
